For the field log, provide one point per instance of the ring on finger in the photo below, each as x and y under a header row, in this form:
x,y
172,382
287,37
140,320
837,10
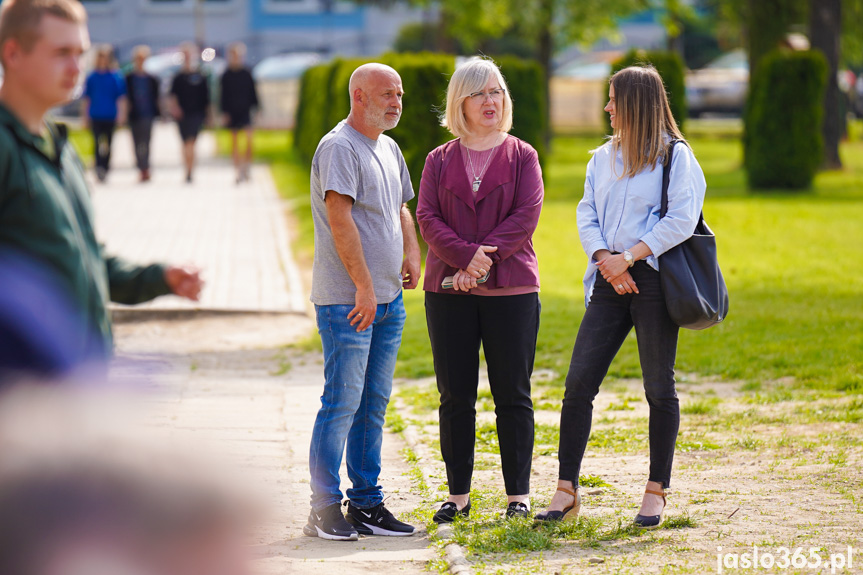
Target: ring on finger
x,y
619,286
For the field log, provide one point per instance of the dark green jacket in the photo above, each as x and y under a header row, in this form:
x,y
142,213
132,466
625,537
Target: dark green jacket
x,y
46,214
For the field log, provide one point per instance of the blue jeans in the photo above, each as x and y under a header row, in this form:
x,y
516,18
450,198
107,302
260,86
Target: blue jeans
x,y
358,368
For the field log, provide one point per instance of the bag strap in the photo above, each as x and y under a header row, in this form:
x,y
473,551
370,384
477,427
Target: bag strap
x,y
666,178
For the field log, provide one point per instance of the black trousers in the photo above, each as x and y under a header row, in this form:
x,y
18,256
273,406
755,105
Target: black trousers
x,y
103,134
507,327
608,320
142,130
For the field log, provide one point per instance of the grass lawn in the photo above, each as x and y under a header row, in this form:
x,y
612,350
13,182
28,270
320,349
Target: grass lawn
x,y
789,260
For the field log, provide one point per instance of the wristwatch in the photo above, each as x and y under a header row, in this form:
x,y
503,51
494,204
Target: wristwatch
x,y
627,257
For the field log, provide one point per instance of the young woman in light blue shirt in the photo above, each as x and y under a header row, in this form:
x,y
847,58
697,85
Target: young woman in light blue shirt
x,y
623,236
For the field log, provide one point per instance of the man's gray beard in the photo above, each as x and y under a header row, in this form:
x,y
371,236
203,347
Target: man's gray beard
x,y
377,120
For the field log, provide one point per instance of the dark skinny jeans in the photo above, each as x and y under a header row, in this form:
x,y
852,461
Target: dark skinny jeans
x,y
607,321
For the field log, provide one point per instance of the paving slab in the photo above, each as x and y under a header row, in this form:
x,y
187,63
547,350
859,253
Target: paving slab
x,y
236,233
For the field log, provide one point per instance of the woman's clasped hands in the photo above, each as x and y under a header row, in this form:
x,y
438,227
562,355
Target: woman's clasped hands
x,y
480,264
615,270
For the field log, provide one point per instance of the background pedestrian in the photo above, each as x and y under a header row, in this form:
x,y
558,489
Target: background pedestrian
x,y
104,106
239,97
143,96
190,103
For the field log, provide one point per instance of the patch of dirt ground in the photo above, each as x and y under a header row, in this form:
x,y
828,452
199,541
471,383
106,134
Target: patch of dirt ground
x,y
783,476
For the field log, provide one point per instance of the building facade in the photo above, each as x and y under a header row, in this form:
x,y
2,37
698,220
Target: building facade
x,y
267,27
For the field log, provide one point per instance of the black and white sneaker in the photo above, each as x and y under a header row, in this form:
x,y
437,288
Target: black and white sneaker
x,y
329,523
377,520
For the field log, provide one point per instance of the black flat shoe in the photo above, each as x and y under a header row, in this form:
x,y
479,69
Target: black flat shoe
x,y
567,514
651,521
517,509
449,511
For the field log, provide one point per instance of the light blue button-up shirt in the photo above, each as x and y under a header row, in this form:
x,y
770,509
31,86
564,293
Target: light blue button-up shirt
x,y
617,213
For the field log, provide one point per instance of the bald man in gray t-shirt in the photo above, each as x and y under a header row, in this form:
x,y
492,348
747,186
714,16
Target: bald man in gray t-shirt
x,y
366,250
374,175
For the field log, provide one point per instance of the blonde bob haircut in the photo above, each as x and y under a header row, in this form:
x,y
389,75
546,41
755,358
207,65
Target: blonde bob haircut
x,y
643,119
469,78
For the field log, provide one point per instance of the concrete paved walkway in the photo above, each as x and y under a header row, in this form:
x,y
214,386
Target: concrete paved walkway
x,y
235,233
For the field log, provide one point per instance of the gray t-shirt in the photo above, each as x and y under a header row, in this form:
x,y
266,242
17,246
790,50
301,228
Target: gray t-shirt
x,y
374,174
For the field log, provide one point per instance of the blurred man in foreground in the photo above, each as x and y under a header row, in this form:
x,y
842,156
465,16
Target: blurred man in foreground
x,y
45,211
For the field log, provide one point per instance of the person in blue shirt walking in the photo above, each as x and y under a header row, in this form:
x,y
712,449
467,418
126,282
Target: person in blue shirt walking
x,y
623,235
104,104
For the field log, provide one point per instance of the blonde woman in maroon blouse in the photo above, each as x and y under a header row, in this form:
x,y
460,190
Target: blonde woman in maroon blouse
x,y
479,203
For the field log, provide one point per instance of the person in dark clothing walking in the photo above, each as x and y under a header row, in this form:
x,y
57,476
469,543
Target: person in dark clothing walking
x,y
190,102
239,97
143,97
104,105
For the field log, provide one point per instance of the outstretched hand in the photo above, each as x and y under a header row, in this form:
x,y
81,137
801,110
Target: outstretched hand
x,y
185,281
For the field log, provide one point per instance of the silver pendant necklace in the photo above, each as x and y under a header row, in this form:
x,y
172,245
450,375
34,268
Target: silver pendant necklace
x,y
477,179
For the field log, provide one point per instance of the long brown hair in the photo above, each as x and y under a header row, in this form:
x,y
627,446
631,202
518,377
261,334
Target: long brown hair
x,y
643,118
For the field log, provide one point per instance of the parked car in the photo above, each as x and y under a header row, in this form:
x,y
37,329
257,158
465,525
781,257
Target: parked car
x,y
719,87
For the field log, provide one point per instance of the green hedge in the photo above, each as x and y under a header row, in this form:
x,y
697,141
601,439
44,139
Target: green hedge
x,y
324,102
312,120
527,88
672,70
782,139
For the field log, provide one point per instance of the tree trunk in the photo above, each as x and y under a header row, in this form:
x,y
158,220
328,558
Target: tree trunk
x,y
545,49
767,23
825,29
